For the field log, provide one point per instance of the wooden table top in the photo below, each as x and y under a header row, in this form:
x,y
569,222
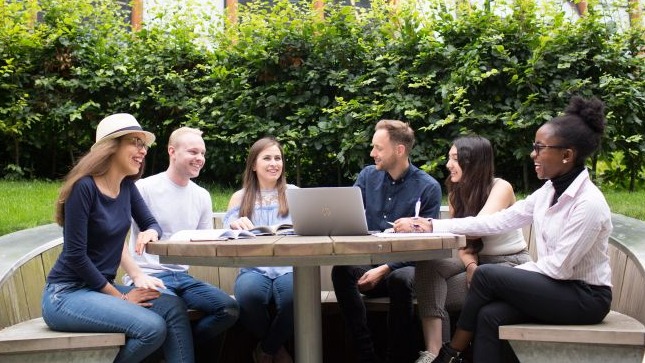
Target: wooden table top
x,y
306,250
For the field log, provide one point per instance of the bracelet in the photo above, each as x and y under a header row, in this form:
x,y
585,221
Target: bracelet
x,y
470,263
124,297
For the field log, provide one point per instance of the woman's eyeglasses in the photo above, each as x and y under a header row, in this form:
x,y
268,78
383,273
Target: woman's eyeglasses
x,y
140,144
537,147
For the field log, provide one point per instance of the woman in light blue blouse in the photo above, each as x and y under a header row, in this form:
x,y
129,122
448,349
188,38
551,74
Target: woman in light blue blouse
x,y
262,201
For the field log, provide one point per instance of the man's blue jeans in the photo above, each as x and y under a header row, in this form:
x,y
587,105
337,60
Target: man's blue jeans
x,y
74,307
221,311
254,292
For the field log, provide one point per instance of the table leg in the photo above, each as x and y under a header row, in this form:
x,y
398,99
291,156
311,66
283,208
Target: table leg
x,y
307,316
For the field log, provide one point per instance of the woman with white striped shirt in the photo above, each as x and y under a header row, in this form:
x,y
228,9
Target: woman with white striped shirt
x,y
570,283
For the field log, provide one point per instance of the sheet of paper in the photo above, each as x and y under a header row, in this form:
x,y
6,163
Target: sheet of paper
x,y
415,234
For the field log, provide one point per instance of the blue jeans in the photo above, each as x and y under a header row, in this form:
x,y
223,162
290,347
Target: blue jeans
x,y
75,307
254,292
220,309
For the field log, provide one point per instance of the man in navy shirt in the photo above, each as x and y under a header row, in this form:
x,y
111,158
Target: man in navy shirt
x,y
392,188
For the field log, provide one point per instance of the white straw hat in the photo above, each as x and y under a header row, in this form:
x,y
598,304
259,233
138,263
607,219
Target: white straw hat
x,y
120,124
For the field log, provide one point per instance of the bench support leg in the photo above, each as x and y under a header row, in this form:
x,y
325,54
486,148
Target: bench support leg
x,y
99,355
540,352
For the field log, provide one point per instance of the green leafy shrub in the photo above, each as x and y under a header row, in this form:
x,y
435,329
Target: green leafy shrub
x,y
318,83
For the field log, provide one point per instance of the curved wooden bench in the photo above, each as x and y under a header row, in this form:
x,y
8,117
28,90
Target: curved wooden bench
x,y
24,265
27,257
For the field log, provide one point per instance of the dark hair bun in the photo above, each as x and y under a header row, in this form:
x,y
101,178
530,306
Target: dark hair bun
x,y
591,111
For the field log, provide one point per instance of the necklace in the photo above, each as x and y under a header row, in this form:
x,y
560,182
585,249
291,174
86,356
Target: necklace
x,y
109,189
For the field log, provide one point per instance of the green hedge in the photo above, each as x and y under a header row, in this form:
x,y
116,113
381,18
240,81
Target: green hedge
x,y
318,84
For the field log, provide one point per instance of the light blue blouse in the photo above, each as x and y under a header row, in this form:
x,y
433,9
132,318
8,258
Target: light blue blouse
x,y
265,214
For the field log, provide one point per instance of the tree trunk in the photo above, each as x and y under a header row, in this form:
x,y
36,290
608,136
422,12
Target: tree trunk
x,y
137,14
525,177
635,13
16,151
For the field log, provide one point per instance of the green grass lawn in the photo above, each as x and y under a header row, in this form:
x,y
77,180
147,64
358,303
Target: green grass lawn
x,y
626,203
26,204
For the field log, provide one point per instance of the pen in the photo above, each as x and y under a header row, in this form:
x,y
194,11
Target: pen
x,y
417,207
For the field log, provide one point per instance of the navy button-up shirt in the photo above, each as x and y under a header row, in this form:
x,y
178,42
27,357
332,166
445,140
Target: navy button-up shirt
x,y
386,200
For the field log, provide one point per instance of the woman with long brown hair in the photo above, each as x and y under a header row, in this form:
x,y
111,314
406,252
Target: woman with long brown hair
x,y
441,285
96,205
262,201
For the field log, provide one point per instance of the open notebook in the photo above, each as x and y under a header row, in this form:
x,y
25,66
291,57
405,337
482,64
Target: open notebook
x,y
202,235
277,229
327,211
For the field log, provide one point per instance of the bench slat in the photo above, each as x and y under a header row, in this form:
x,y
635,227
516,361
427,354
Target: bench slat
x,y
35,335
208,274
617,262
632,293
33,274
227,276
616,328
4,307
13,294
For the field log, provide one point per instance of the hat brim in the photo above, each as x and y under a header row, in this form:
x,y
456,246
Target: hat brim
x,y
149,136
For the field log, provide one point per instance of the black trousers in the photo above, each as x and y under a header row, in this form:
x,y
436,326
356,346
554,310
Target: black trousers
x,y
501,295
399,287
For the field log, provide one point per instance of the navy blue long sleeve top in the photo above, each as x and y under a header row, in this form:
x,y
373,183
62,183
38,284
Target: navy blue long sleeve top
x,y
94,232
386,200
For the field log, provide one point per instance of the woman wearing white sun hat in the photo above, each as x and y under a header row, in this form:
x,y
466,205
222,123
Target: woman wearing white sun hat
x,y
95,206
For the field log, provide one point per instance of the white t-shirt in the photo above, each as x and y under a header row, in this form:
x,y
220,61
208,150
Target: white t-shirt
x,y
503,244
175,208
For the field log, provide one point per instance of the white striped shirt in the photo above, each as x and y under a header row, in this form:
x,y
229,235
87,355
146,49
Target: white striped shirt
x,y
572,236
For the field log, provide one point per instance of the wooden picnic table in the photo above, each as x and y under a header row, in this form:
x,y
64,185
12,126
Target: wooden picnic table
x,y
306,254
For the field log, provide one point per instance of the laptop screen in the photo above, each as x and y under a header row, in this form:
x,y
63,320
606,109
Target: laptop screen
x,y
327,211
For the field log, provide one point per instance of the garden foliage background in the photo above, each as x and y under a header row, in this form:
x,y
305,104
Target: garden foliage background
x,y
318,82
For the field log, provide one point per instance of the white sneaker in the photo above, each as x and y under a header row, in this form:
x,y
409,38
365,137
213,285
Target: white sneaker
x,y
425,357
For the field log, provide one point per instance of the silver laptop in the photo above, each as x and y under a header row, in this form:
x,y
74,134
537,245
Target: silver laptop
x,y
327,211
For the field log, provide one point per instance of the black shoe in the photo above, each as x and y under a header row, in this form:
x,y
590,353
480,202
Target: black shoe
x,y
448,355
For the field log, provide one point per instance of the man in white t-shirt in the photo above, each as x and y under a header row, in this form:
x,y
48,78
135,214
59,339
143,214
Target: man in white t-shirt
x,y
177,203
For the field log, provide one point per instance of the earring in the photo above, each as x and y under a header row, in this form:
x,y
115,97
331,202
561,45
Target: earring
x,y
564,161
